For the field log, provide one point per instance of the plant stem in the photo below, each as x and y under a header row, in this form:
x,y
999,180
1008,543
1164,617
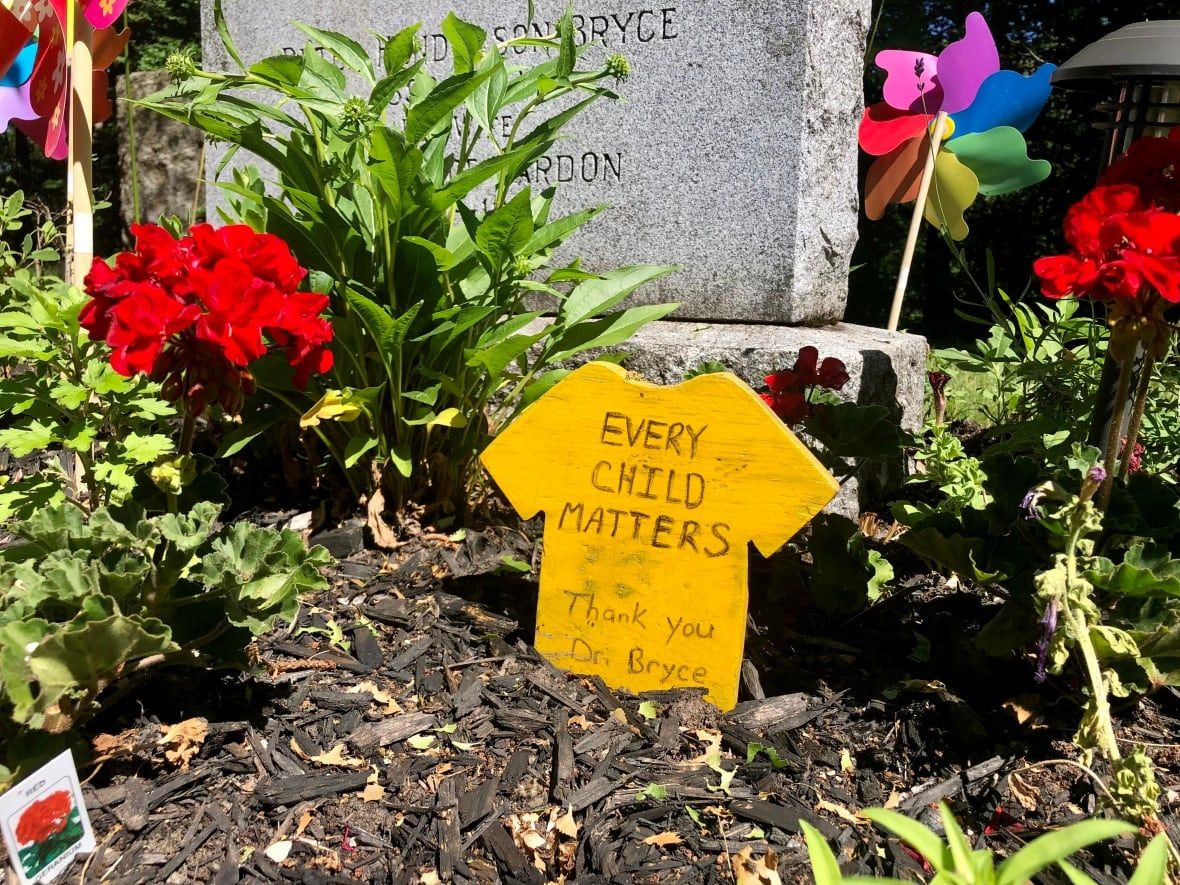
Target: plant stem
x,y
187,431
1137,415
1116,426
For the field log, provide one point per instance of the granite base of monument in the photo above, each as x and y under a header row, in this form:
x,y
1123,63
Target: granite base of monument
x,y
885,368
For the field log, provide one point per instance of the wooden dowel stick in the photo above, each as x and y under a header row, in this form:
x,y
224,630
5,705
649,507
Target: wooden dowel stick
x,y
911,243
81,139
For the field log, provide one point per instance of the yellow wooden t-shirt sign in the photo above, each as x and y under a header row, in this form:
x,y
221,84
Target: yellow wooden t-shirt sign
x,y
651,495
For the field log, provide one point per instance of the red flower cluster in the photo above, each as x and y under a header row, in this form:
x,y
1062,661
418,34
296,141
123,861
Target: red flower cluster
x,y
194,313
1125,233
1153,166
44,818
788,390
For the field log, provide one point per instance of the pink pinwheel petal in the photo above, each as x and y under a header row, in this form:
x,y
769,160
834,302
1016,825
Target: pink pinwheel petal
x,y
53,140
966,63
882,128
910,84
49,71
15,105
102,13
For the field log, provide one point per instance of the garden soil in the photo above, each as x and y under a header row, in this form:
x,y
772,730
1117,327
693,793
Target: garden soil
x,y
404,730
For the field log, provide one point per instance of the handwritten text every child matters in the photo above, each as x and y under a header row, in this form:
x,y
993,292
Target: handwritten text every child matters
x,y
651,496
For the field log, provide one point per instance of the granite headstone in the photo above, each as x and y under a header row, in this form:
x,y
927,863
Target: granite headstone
x,y
732,154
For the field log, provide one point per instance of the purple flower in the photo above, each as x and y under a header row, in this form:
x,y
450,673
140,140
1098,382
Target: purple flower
x,y
1030,504
1048,626
1096,475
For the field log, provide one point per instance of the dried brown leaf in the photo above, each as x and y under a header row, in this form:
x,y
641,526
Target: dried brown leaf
x,y
182,741
663,839
112,746
748,870
336,757
383,535
566,825
1023,792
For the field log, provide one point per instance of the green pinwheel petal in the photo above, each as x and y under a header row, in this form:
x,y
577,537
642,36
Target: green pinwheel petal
x,y
999,158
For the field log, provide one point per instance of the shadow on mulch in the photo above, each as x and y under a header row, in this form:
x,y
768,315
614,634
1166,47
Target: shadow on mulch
x,y
434,744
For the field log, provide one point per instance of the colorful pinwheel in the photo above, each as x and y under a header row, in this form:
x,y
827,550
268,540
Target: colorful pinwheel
x,y
984,111
969,113
35,84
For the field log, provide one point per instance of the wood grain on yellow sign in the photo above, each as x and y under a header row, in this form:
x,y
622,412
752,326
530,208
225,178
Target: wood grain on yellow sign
x,y
651,495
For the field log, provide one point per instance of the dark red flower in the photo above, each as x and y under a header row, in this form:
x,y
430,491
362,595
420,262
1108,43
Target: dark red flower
x,y
194,313
1153,166
788,391
44,818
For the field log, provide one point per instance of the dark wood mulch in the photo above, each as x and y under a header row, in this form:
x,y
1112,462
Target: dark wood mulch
x,y
403,730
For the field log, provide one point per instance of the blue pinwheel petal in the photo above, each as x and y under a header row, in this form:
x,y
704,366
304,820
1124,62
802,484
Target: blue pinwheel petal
x,y
22,68
1006,98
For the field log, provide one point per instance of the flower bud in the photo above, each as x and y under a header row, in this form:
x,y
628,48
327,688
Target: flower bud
x,y
618,67
180,66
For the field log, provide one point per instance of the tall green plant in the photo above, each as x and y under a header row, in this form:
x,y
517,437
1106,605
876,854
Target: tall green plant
x,y
407,205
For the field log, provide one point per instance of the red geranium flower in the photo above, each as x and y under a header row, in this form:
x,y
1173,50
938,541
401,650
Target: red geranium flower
x,y
788,391
1153,166
1120,244
44,818
194,313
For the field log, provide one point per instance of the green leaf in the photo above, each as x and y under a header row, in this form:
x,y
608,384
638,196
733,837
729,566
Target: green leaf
x,y
223,33
605,332
399,48
146,449
321,78
357,448
1153,863
1146,570
597,296
282,70
25,440
919,837
498,357
425,115
1047,850
246,432
567,51
506,231
402,461
824,868
472,177
350,53
81,656
959,847
648,710
466,41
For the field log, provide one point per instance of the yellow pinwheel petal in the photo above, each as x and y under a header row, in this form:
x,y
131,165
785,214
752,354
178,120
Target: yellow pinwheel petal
x,y
952,191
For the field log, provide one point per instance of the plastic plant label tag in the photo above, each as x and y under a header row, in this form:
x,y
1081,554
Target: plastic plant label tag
x,y
44,821
651,496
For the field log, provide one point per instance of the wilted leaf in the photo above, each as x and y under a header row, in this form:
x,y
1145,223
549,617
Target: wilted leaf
x,y
566,825
336,757
663,839
181,742
751,871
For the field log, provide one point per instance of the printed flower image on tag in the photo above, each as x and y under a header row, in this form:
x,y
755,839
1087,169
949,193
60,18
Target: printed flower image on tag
x,y
45,822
